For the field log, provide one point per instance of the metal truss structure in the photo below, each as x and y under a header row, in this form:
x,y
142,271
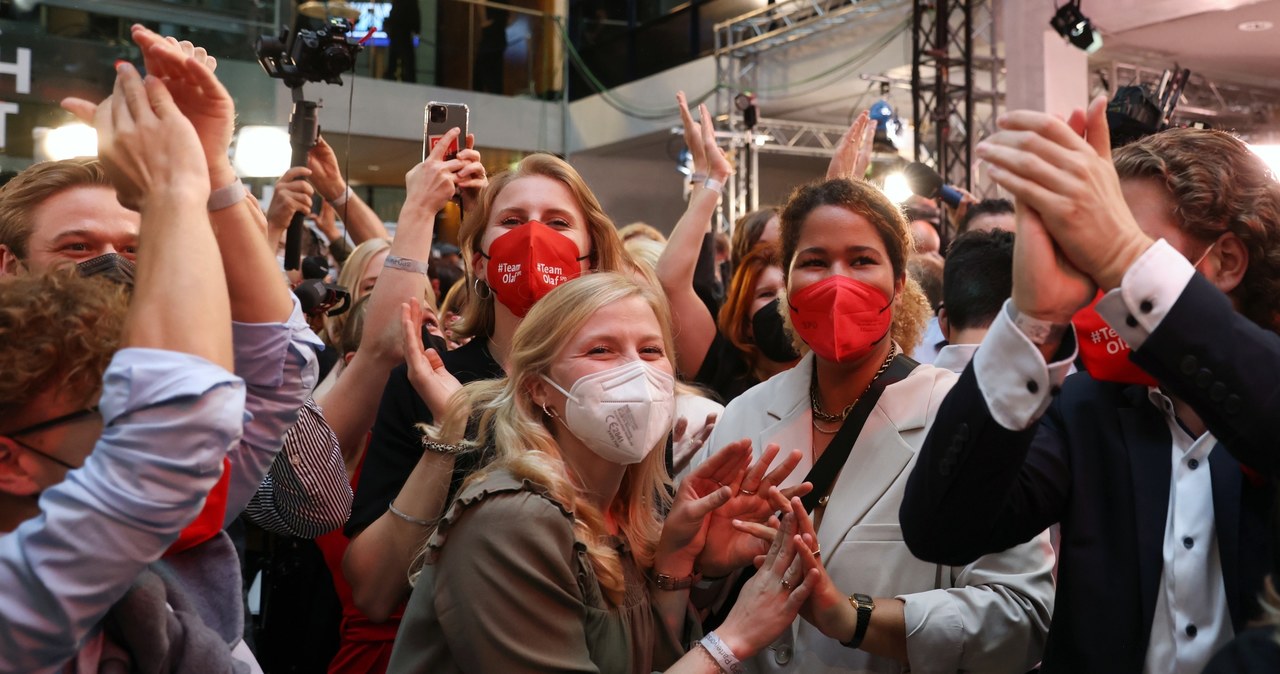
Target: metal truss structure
x,y
956,83
739,43
1233,107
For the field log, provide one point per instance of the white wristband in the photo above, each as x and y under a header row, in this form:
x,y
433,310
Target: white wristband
x,y
724,657
226,197
713,185
342,198
405,264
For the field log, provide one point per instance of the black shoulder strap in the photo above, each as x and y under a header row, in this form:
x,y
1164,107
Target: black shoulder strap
x,y
824,471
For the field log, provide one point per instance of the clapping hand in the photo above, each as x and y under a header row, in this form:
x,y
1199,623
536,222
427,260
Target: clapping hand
x,y
433,383
700,137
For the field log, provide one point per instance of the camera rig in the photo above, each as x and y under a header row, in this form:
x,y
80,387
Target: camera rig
x,y
308,55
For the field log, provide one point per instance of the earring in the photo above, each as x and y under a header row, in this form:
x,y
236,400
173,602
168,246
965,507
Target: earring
x,y
478,284
548,412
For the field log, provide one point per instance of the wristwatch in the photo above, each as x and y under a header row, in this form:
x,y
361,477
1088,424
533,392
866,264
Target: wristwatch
x,y
863,604
671,583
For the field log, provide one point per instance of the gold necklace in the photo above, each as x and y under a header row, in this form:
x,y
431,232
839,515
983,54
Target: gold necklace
x,y
820,415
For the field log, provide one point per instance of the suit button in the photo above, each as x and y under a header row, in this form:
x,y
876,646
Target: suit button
x,y
1193,464
1188,542
1191,631
962,433
1146,306
1188,365
1217,392
1204,378
782,654
1232,404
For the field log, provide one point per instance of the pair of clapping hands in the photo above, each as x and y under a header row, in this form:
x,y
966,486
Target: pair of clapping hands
x,y
1075,234
167,132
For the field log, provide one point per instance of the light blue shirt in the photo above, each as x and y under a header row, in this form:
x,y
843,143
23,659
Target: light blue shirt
x,y
169,419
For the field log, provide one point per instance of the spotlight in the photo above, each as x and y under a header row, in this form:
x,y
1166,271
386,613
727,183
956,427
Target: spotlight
x,y
262,152
896,187
1270,155
70,141
1076,27
746,103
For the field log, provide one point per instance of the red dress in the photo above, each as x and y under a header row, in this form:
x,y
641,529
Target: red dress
x,y
364,646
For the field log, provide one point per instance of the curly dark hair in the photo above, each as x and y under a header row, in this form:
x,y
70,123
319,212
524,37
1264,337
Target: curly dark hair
x,y
1218,185
57,330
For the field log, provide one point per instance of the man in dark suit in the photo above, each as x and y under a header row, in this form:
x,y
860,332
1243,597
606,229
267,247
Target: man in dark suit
x,y
1161,477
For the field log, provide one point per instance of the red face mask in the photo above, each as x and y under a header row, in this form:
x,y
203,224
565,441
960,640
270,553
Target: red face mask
x,y
841,319
528,262
1105,354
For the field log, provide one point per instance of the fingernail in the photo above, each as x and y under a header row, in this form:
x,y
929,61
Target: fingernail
x,y
981,149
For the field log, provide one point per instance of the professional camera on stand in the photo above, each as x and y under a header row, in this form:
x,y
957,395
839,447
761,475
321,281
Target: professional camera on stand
x,y
308,55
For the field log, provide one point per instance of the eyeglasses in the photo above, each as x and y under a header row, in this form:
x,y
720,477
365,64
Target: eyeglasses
x,y
46,425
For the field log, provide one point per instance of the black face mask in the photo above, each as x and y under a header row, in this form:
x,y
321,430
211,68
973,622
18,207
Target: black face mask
x,y
771,336
112,266
436,342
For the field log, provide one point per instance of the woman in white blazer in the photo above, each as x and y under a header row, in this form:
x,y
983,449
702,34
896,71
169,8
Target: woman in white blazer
x,y
844,248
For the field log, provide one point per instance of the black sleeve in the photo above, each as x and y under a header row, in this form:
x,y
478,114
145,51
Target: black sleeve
x,y
705,285
978,487
394,449
1225,367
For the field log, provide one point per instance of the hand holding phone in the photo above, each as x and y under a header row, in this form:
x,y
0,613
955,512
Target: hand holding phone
x,y
439,118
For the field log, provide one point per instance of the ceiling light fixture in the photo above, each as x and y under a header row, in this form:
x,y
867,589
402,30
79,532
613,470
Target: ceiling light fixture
x,y
1071,24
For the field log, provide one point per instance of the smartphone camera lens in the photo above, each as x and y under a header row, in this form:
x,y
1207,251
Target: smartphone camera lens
x,y
438,114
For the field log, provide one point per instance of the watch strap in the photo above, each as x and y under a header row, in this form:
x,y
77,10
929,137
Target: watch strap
x,y
672,583
863,604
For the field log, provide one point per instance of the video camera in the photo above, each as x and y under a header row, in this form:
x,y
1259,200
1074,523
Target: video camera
x,y
319,55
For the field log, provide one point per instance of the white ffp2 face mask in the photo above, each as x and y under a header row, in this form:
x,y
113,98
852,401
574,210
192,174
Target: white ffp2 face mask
x,y
620,413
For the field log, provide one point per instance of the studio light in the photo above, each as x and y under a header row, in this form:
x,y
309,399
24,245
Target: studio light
x,y
1270,155
261,152
1076,27
896,187
70,141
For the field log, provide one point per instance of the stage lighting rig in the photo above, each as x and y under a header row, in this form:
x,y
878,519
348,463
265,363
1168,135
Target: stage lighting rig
x,y
1071,24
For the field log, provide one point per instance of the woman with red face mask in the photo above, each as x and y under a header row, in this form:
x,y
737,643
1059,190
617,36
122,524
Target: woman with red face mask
x,y
533,228
858,409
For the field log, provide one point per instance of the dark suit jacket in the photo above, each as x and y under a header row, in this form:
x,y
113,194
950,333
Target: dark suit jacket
x,y
1099,463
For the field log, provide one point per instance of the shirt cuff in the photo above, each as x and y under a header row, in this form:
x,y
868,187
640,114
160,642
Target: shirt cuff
x,y
139,378
1015,382
935,631
1147,293
261,348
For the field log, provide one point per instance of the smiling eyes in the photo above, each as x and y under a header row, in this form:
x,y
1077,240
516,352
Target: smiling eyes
x,y
600,350
513,221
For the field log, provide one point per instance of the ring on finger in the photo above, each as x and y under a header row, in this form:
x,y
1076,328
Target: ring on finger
x,y
746,491
787,585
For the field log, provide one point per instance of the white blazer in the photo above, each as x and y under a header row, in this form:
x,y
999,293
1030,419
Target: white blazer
x,y
990,616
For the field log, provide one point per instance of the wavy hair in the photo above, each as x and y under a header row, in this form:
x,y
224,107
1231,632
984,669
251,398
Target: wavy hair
x,y
911,310
606,248
521,433
57,330
30,188
1218,185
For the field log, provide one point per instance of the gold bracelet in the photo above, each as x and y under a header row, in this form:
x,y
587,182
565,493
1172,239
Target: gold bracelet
x,y
443,447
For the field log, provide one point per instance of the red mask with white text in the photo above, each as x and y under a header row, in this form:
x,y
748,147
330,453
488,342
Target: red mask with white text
x,y
841,319
1105,354
528,262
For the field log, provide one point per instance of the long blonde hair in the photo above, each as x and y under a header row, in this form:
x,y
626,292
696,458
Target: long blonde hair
x,y
352,270
521,433
606,248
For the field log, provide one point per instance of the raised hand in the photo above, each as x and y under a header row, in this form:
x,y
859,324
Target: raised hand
x,y
1071,183
188,72
471,178
431,184
770,601
145,143
853,152
1046,285
326,175
700,137
427,373
755,499
292,195
708,487
685,448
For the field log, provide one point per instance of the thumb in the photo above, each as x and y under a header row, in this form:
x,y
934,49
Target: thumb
x,y
1097,131
82,109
